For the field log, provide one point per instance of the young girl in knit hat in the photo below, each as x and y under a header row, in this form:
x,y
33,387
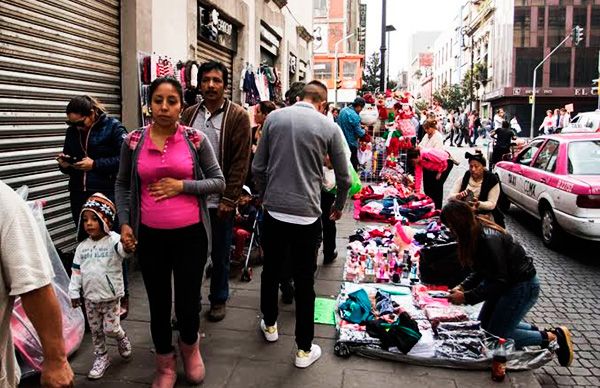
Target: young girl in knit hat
x,y
97,275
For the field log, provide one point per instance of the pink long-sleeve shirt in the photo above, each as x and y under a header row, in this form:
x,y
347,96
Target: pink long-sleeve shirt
x,y
174,161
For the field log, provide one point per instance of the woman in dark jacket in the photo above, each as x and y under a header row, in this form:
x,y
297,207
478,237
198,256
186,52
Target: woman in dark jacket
x,y
90,157
91,152
503,277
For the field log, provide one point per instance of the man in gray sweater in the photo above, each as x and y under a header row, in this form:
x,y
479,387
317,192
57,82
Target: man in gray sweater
x,y
288,171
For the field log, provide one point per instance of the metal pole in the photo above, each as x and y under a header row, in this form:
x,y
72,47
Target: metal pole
x,y
533,91
388,62
383,46
471,78
335,67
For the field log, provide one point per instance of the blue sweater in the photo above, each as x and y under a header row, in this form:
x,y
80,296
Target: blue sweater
x,y
349,121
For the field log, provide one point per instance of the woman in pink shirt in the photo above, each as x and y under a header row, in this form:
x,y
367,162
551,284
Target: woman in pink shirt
x,y
432,167
166,171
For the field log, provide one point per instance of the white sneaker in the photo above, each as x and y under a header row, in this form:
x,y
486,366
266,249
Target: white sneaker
x,y
304,359
101,364
270,332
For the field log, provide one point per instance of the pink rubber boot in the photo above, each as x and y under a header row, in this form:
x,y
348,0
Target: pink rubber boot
x,y
192,362
166,371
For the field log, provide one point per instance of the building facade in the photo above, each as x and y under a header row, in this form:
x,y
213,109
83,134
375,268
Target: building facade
x,y
520,34
49,57
334,20
420,82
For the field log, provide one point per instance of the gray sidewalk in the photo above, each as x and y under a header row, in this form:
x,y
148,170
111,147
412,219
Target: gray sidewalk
x,y
236,355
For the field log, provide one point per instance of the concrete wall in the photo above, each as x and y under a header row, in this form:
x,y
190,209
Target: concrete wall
x,y
170,28
136,35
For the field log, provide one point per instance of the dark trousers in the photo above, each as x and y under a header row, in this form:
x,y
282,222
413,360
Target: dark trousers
x,y
329,229
451,135
77,200
497,155
302,241
464,135
434,188
180,253
354,157
222,237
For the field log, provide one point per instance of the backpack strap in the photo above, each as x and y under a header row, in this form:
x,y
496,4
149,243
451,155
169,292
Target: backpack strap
x,y
133,138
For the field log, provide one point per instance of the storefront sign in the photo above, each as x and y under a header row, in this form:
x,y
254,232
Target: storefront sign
x,y
555,92
425,59
293,65
362,44
214,27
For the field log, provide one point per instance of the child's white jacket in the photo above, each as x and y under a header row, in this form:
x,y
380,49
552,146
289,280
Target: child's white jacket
x,y
97,269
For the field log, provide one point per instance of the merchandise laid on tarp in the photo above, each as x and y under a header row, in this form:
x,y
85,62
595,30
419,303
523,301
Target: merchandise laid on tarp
x,y
417,325
27,343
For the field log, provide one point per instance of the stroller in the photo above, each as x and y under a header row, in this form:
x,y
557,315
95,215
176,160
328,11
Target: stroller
x,y
253,252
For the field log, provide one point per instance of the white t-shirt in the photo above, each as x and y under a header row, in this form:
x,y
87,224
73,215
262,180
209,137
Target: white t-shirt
x,y
24,266
435,141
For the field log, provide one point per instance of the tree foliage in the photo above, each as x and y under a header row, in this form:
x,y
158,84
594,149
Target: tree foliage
x,y
450,96
371,74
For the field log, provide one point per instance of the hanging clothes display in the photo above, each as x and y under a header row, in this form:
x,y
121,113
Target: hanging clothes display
x,y
262,84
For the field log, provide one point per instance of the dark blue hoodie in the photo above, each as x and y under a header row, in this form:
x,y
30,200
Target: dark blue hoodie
x,y
102,144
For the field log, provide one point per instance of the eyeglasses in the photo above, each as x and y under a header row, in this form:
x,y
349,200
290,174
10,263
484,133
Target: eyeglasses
x,y
76,124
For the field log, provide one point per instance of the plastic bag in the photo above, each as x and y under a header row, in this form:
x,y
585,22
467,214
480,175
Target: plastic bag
x,y
25,338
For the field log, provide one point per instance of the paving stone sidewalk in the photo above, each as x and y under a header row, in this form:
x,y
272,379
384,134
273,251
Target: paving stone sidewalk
x,y
236,355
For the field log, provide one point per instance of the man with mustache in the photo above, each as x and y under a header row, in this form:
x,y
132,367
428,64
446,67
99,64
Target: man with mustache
x,y
227,126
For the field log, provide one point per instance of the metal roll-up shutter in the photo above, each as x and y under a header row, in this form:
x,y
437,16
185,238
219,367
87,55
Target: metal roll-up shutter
x,y
208,52
51,51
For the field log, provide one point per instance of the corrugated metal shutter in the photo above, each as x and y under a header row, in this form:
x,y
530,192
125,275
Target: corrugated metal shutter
x,y
208,52
51,51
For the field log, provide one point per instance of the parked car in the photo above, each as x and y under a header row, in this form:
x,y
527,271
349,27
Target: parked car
x,y
584,122
556,178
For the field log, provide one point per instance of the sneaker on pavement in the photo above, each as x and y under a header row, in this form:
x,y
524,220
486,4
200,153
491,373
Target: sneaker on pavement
x,y
565,346
306,359
101,364
217,312
270,332
124,347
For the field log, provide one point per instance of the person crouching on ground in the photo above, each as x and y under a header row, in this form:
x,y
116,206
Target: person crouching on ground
x,y
97,273
503,277
243,224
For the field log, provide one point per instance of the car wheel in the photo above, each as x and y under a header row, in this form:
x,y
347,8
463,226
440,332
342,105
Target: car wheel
x,y
552,233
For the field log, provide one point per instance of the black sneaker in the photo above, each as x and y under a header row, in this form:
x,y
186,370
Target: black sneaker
x,y
565,346
330,259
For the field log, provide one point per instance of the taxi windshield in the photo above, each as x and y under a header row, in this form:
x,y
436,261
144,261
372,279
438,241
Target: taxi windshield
x,y
584,157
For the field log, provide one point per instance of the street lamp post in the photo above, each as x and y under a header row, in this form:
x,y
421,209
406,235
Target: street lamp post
x,y
335,67
578,32
389,28
383,46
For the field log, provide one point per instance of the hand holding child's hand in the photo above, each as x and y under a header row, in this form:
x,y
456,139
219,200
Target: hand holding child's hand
x,y
76,303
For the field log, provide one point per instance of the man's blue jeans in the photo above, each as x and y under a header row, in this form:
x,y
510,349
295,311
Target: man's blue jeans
x,y
222,235
503,316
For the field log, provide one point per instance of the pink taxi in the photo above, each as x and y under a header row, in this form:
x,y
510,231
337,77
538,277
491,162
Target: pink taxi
x,y
556,178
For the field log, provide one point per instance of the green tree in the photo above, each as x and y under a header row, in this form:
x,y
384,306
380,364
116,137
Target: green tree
x,y
450,96
421,104
392,84
479,75
371,74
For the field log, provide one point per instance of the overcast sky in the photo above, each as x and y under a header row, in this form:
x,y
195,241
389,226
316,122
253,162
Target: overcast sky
x,y
408,16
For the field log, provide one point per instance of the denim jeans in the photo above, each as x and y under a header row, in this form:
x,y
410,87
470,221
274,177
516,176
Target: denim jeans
x,y
222,237
503,316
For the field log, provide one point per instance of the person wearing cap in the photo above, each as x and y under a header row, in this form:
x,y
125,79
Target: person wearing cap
x,y
244,223
479,187
349,121
97,275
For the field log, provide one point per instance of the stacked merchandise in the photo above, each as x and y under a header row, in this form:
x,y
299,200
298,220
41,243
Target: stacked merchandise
x,y
393,202
385,312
